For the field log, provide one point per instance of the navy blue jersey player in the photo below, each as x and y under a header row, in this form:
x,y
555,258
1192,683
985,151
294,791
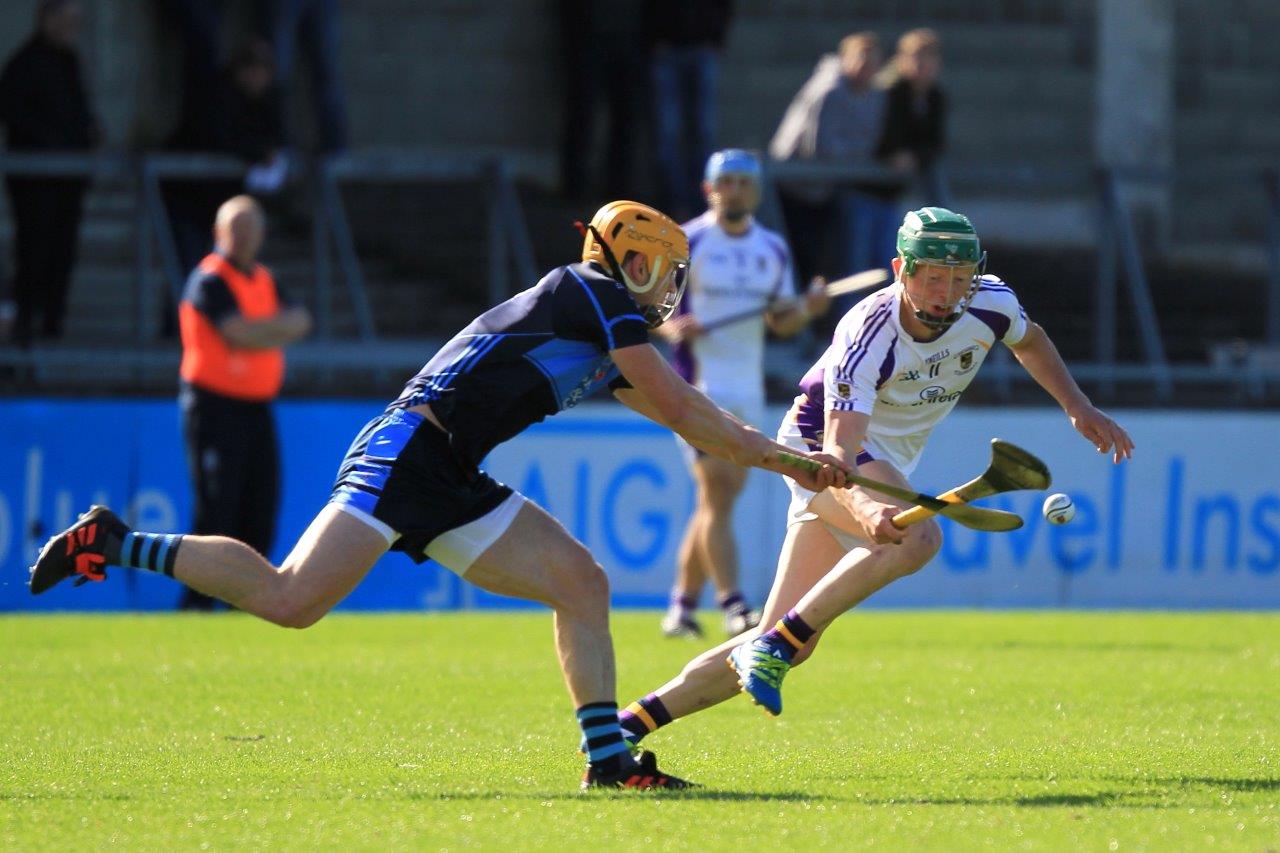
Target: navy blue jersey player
x,y
411,481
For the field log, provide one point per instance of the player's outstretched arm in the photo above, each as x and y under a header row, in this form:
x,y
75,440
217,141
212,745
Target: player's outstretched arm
x,y
658,393
1037,354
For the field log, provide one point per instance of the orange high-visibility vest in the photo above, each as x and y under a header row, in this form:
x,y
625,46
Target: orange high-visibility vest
x,y
209,362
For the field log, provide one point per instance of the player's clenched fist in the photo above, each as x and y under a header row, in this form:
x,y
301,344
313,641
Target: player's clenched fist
x,y
832,473
876,520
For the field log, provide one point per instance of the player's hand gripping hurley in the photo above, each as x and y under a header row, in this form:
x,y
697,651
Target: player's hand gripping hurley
x,y
1011,469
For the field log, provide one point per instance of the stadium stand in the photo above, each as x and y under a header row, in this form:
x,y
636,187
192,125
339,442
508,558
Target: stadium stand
x,y
1026,170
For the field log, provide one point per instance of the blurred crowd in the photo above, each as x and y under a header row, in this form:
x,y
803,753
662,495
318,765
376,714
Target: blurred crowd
x,y
240,107
885,116
640,119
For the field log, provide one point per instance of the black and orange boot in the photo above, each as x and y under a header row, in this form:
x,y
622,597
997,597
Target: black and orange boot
x,y
642,775
85,548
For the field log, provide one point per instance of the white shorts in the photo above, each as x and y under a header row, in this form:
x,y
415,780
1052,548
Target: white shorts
x,y
458,548
798,509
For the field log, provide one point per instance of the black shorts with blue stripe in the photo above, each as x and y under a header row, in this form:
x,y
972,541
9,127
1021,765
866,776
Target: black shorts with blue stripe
x,y
401,471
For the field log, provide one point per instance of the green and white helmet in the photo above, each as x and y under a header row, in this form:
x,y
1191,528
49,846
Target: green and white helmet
x,y
937,236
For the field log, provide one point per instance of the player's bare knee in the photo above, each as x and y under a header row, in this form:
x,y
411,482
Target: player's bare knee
x,y
921,545
583,585
288,612
289,605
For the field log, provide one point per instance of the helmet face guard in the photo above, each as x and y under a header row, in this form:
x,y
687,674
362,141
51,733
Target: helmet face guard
x,y
935,236
660,312
941,324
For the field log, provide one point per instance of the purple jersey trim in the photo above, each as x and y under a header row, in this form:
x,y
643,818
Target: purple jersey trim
x,y
886,366
998,322
862,345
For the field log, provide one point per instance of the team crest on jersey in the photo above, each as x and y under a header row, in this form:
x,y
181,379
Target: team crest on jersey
x,y
965,359
844,390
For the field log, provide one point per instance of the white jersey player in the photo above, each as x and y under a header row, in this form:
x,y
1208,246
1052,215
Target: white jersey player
x,y
740,283
898,363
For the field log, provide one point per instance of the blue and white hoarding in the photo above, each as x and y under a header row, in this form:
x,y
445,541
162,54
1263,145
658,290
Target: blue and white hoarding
x,y
1193,521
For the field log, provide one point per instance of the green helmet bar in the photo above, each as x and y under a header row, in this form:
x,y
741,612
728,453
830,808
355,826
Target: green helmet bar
x,y
935,235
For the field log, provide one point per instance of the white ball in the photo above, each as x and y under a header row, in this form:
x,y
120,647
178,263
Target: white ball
x,y
1058,509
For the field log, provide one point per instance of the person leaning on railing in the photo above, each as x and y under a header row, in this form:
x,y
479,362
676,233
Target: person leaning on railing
x,y
45,107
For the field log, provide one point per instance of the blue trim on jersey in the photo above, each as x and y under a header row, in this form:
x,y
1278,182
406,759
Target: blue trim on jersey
x,y
462,363
551,380
571,367
604,324
622,317
481,352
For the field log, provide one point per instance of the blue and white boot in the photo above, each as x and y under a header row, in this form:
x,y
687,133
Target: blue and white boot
x,y
761,666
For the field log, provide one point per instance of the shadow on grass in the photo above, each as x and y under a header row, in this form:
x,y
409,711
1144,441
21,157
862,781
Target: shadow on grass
x,y
1206,782
702,794
1138,793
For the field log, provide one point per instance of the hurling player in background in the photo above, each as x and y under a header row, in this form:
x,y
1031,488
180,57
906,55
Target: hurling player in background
x,y
899,361
736,267
411,480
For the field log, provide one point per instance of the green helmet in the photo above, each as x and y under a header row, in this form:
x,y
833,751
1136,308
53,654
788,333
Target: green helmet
x,y
935,235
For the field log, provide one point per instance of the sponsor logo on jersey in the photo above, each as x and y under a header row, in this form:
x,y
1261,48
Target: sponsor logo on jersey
x,y
909,376
937,393
587,383
844,389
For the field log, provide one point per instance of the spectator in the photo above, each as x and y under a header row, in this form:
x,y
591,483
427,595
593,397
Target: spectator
x,y
604,71
45,107
200,23
686,38
313,26
235,324
915,112
839,116
244,119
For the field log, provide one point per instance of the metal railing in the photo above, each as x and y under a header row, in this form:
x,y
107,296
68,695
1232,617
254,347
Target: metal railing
x,y
510,261
510,255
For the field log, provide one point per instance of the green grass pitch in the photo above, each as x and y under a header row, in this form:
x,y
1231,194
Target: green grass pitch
x,y
910,730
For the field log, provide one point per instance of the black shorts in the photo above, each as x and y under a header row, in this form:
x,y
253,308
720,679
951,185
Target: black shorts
x,y
401,471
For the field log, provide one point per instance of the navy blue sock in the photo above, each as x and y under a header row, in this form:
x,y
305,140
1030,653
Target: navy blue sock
x,y
602,734
155,552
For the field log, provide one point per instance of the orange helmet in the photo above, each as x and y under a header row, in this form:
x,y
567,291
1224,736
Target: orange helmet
x,y
622,227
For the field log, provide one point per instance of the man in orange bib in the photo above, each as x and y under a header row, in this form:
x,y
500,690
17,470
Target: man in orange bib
x,y
235,326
